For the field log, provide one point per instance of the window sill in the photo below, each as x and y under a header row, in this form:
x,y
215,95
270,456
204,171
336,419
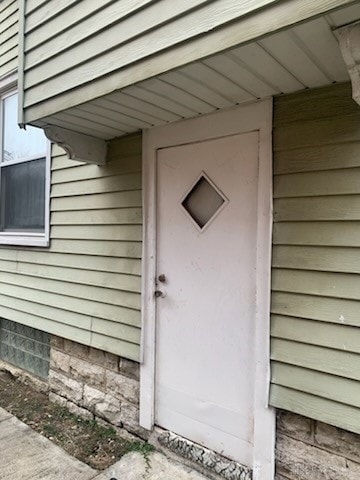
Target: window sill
x,y
24,239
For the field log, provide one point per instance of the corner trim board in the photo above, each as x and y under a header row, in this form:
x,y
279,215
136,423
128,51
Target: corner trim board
x,y
78,147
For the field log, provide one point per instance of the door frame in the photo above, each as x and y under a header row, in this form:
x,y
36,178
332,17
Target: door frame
x,y
242,119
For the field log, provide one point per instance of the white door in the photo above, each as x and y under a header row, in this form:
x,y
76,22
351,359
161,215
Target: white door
x,y
206,256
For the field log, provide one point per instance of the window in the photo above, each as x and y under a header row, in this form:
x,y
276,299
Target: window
x,y
24,179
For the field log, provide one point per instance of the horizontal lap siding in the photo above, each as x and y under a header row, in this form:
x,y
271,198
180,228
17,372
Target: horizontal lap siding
x,y
72,46
8,36
316,256
86,286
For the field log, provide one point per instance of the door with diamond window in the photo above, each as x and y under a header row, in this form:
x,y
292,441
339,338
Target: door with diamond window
x,y
206,259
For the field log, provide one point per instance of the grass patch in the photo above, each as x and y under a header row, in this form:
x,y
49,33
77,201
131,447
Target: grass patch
x,y
141,447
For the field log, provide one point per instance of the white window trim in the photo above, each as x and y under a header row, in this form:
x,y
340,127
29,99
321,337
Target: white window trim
x,y
23,238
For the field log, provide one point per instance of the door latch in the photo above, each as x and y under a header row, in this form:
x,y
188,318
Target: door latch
x,y
159,293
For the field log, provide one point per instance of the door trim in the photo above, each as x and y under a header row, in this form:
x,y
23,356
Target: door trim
x,y
243,119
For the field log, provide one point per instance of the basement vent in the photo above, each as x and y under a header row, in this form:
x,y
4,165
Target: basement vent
x,y
25,347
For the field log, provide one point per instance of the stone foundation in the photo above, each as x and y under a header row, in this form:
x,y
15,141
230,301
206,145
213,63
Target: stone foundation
x,y
311,450
92,383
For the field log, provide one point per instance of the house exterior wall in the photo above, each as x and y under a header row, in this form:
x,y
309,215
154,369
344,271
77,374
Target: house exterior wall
x,y
75,52
9,27
315,331
86,285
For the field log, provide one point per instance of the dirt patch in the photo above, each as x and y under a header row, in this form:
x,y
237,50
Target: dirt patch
x,y
94,444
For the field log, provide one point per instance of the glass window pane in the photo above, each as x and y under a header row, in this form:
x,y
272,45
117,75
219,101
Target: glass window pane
x,y
202,202
18,143
23,196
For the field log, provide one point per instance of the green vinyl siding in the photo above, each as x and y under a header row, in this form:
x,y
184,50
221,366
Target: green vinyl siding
x,y
86,286
315,334
8,36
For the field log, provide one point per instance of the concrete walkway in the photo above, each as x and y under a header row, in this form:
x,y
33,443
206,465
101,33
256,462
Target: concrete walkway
x,y
27,455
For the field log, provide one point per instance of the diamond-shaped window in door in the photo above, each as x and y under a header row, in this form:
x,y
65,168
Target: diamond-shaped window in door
x,y
203,201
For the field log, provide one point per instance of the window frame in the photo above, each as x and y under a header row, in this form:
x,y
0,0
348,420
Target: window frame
x,y
25,238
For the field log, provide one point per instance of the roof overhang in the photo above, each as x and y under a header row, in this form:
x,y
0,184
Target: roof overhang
x,y
307,55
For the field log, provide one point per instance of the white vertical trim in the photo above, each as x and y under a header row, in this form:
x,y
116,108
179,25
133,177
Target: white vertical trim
x,y
246,118
47,193
148,304
264,418
21,62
